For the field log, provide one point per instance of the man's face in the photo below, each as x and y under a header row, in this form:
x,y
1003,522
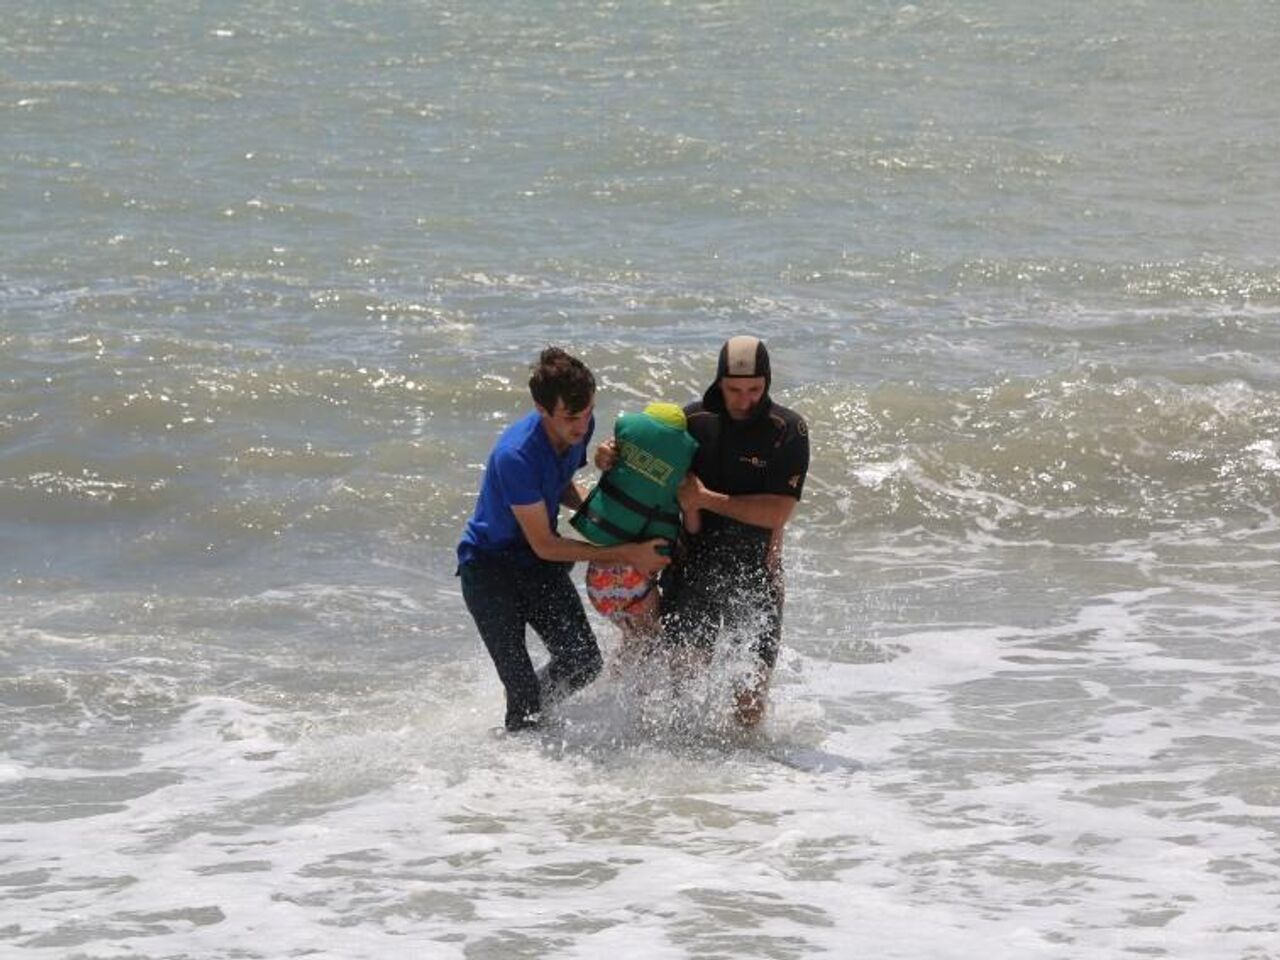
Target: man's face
x,y
741,395
564,428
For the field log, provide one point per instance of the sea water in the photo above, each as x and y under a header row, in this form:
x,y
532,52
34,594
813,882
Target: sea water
x,y
271,276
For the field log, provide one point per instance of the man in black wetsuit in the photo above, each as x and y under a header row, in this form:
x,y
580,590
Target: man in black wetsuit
x,y
747,476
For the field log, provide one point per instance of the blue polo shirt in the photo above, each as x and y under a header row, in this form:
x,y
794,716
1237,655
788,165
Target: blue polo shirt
x,y
523,468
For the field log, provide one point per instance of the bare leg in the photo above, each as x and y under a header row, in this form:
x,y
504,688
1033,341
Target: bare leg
x,y
639,632
751,700
688,662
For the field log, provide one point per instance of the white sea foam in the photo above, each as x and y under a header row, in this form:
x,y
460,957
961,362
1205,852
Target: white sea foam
x,y
1027,702
1047,790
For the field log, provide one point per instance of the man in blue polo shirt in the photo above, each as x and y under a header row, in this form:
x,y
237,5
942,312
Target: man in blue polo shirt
x,y
515,567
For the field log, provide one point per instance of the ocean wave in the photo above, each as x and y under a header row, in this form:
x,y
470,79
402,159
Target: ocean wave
x,y
1035,456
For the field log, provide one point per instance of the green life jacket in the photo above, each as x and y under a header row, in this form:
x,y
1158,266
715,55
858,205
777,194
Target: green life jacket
x,y
636,499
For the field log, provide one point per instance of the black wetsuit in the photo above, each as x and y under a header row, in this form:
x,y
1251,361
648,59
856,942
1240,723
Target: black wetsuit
x,y
721,580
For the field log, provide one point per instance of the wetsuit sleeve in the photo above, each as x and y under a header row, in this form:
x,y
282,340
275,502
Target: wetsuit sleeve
x,y
787,470
516,478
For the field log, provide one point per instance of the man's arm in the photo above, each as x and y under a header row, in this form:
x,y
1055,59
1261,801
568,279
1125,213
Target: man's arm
x,y
768,510
532,518
573,496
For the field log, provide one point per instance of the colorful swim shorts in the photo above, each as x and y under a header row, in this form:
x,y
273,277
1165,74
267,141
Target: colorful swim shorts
x,y
616,592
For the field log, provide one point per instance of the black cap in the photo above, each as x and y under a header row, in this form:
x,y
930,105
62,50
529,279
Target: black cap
x,y
743,357
740,357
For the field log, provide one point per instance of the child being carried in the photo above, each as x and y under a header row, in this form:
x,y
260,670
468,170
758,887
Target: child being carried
x,y
635,500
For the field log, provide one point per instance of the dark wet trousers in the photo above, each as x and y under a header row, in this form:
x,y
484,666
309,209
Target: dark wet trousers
x,y
709,597
504,596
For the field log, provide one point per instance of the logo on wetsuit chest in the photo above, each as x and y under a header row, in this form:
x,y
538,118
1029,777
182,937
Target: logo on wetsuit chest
x,y
758,462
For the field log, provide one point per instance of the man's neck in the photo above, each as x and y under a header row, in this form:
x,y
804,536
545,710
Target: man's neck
x,y
556,445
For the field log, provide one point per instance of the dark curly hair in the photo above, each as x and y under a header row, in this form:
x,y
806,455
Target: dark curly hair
x,y
559,376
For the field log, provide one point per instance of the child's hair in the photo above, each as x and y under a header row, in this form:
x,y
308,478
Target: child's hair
x,y
559,376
